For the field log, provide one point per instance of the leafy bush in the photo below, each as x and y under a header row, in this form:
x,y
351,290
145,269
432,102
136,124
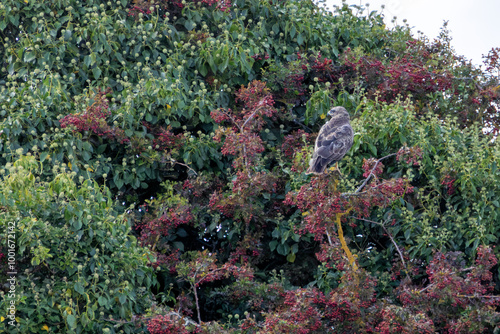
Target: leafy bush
x,y
79,268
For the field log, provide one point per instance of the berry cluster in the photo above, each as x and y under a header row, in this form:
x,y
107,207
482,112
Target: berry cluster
x,y
93,119
163,226
449,183
412,73
294,142
410,155
164,139
166,324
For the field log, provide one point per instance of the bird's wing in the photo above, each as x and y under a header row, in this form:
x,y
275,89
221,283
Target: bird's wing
x,y
333,142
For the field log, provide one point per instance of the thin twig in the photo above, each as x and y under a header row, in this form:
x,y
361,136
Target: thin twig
x,y
472,296
196,298
182,164
329,238
251,116
136,319
427,287
302,125
354,194
232,120
371,172
390,237
245,156
242,128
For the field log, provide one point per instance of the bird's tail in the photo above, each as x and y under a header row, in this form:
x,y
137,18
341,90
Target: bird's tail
x,y
316,166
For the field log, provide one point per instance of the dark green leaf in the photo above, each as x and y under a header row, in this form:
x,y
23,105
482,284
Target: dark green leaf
x,y
122,299
79,288
71,319
29,56
189,25
97,72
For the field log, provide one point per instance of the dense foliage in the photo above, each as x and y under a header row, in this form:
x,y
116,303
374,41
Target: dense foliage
x,y
153,159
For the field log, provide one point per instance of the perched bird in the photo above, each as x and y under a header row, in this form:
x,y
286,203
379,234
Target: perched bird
x,y
333,141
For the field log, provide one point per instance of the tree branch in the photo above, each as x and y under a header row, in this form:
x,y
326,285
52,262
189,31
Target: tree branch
x,y
390,237
346,249
371,172
175,162
249,118
196,297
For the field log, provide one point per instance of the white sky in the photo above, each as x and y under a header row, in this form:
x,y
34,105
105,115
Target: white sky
x,y
474,24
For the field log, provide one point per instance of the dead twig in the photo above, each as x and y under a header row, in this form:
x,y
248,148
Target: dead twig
x,y
175,162
390,237
371,172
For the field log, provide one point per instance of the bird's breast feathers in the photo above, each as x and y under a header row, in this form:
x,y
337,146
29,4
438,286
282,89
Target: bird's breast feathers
x,y
338,136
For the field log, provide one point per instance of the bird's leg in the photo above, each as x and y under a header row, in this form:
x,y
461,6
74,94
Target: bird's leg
x,y
335,168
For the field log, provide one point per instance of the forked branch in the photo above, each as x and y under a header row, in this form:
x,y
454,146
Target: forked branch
x,y
390,237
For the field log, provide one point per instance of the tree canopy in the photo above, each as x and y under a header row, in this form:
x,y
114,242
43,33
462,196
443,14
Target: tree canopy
x,y
153,160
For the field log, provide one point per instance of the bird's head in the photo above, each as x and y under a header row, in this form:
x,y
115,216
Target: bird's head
x,y
336,110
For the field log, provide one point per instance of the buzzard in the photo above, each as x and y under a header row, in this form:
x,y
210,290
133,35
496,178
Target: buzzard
x,y
333,141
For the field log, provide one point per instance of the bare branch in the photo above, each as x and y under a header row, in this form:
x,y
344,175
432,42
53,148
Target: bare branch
x,y
302,125
175,162
390,236
249,118
371,172
329,238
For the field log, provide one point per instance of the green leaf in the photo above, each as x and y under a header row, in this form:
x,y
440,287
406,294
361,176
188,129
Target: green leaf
x,y
14,19
272,245
178,245
491,237
84,320
67,34
97,72
283,249
372,148
189,25
300,39
87,60
203,69
122,299
276,28
224,64
71,319
182,233
79,288
101,148
119,183
468,242
77,224
29,56
276,233
43,156
291,257
86,155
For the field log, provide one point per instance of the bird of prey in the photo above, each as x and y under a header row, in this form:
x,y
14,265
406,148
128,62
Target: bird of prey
x,y
333,141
